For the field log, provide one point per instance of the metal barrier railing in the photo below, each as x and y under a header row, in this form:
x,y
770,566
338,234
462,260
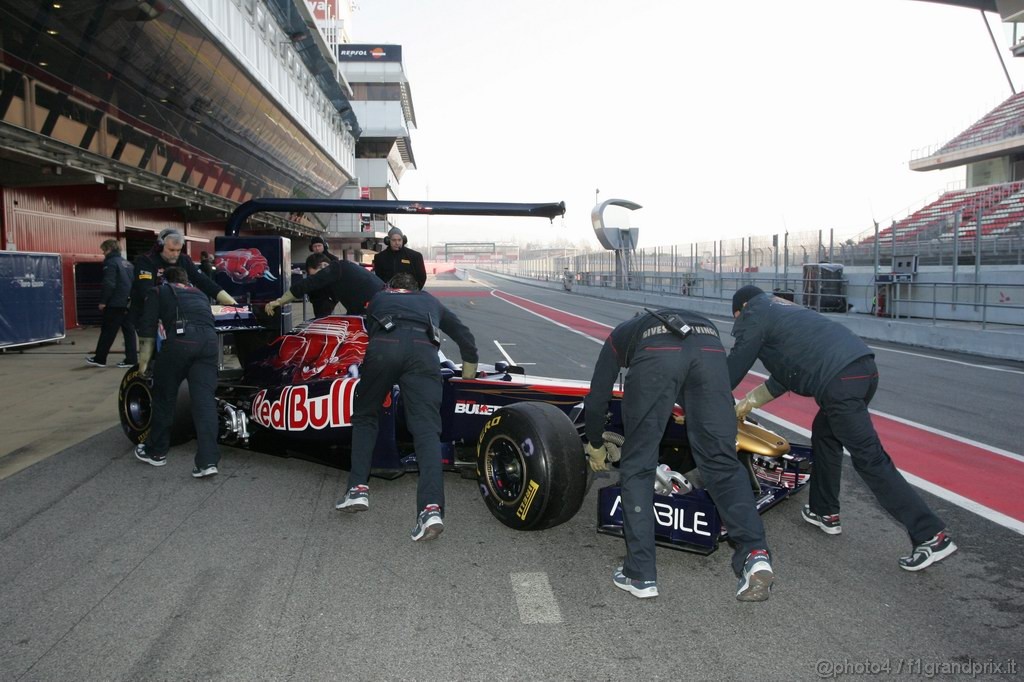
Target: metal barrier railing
x,y
983,303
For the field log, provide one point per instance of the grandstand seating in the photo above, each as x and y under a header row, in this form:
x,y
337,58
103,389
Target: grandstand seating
x,y
1003,122
1001,208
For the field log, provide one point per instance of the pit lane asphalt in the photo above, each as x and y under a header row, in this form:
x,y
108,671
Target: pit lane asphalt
x,y
111,569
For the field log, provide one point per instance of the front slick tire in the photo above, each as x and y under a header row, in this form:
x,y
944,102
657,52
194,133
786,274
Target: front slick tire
x,y
135,408
531,466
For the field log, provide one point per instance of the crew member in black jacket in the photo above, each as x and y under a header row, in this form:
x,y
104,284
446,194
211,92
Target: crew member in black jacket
x,y
150,267
349,283
398,257
321,299
403,323
117,284
189,352
685,366
811,355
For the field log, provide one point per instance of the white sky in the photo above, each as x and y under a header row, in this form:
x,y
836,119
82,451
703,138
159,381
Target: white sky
x,y
798,114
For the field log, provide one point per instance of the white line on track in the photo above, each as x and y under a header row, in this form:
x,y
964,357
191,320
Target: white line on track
x,y
955,362
535,599
948,495
503,353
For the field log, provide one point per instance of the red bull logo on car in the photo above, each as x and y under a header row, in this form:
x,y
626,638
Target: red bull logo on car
x,y
295,410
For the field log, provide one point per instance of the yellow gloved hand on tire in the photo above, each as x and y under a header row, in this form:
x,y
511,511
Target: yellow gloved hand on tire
x,y
598,457
224,298
146,347
753,400
469,370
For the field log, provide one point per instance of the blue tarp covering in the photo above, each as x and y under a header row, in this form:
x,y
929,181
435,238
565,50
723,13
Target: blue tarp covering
x,y
31,298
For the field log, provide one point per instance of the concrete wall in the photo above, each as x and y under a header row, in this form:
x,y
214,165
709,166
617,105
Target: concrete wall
x,y
963,337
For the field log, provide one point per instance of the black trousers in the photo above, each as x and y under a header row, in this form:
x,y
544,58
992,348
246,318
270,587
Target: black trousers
x,y
115,319
692,371
405,357
843,420
191,356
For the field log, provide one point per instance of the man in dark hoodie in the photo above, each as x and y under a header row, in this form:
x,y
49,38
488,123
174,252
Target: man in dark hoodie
x,y
321,299
811,355
150,267
398,257
117,284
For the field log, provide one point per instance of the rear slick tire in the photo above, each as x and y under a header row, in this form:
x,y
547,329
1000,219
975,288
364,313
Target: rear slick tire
x,y
135,408
531,466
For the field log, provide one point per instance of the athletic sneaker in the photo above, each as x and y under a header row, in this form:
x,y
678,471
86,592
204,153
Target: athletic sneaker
x,y
142,456
428,523
124,364
928,552
641,589
203,472
829,523
91,360
357,499
757,578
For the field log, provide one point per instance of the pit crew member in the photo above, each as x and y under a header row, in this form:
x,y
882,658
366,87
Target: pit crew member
x,y
117,284
321,299
811,355
348,283
404,325
397,257
150,268
674,356
189,352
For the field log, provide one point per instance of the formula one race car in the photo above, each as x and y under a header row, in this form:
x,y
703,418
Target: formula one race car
x,y
290,391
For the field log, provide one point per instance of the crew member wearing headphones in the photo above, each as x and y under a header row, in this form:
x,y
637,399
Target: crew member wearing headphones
x,y
398,257
323,302
150,268
190,351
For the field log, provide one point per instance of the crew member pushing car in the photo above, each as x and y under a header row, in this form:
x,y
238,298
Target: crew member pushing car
x,y
403,324
811,355
189,352
674,356
349,283
150,271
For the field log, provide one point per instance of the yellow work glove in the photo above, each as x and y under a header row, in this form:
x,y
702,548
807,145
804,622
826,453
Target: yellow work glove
x,y
224,298
468,370
598,457
146,347
278,302
753,400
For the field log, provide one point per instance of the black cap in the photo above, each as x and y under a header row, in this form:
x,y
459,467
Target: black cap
x,y
317,240
744,294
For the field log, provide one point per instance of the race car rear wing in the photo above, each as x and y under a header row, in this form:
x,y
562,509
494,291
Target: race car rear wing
x,y
242,213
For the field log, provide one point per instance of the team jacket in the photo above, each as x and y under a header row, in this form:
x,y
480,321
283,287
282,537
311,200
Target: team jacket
x,y
388,263
618,351
350,284
418,308
172,303
117,281
801,349
149,272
